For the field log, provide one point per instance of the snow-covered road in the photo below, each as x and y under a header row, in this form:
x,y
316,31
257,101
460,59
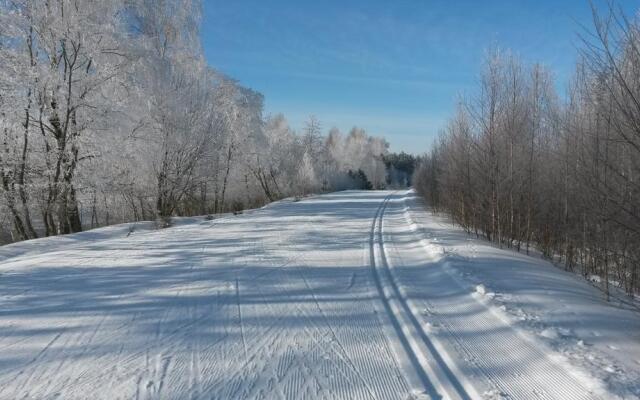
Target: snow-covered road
x,y
351,295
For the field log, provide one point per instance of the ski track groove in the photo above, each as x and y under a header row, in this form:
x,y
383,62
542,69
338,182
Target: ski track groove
x,y
344,356
426,378
441,372
272,323
40,356
240,323
564,388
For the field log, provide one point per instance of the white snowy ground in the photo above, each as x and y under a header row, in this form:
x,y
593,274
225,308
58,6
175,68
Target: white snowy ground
x,y
352,295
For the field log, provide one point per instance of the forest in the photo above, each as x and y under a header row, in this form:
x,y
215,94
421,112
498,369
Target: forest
x,y
109,113
527,167
258,199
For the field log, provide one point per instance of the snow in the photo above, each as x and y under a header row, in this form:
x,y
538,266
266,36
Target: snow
x,y
550,333
481,289
341,296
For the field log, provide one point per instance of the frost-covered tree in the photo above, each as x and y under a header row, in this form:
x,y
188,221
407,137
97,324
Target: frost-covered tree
x,y
70,56
520,167
109,113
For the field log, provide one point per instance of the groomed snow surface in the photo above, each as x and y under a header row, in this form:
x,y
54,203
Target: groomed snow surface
x,y
351,295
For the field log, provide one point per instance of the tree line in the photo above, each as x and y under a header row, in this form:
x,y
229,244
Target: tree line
x,y
109,113
524,167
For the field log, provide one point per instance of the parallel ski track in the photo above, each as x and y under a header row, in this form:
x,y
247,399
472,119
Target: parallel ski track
x,y
431,371
563,384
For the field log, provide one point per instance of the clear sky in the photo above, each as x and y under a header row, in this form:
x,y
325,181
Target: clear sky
x,y
394,68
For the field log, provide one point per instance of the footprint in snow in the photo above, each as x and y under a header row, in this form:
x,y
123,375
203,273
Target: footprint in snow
x,y
612,369
495,394
431,327
417,395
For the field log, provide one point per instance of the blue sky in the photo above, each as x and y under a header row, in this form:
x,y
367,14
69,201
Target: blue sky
x,y
394,68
